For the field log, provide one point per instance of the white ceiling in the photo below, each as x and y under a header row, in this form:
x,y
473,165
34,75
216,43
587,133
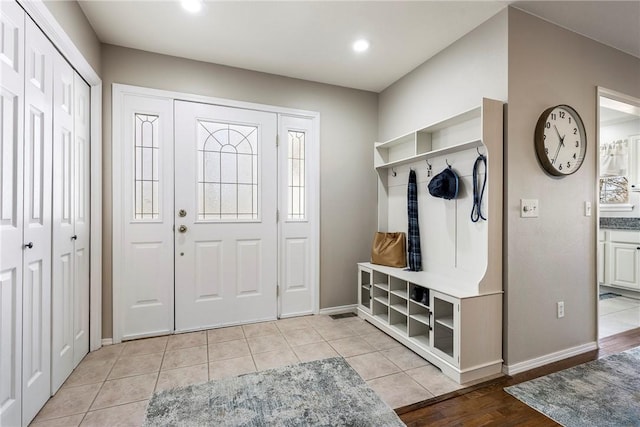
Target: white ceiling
x,y
312,40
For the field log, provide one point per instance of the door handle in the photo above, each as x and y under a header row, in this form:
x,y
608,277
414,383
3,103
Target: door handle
x,y
182,213
182,229
28,245
74,237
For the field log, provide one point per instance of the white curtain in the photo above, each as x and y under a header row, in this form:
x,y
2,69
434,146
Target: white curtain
x,y
614,158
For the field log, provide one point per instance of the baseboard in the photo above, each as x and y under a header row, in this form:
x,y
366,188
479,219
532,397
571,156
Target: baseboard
x,y
107,341
519,367
341,309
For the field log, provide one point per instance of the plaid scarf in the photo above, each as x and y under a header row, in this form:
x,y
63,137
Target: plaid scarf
x,y
415,258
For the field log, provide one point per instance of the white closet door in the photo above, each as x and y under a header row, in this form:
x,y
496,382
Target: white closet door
x,y
145,262
62,224
36,328
81,208
11,210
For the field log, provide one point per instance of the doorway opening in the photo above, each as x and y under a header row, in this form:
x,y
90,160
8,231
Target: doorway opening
x,y
618,267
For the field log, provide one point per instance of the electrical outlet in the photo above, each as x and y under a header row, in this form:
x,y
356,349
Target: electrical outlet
x,y
560,309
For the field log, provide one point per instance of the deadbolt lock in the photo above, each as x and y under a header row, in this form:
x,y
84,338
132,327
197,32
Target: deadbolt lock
x,y
182,229
182,213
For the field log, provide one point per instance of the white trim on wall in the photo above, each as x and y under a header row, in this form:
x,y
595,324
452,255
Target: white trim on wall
x,y
341,309
118,93
41,15
526,365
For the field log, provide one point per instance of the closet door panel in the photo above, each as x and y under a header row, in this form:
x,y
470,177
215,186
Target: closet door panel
x,y
62,296
81,209
36,375
11,210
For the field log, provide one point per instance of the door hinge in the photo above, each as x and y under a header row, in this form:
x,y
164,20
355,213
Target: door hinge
x,y
277,290
277,215
277,140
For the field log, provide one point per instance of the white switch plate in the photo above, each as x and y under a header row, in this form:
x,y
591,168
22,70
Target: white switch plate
x,y
528,208
560,309
587,208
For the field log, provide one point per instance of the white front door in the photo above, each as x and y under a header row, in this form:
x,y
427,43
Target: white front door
x,y
225,215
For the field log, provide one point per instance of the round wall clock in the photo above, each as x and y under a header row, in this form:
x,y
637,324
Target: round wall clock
x,y
560,140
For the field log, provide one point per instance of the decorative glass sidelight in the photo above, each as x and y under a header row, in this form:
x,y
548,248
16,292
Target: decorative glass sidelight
x,y
146,177
227,171
296,172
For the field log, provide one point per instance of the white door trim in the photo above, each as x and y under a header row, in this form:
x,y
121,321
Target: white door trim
x,y
118,93
54,31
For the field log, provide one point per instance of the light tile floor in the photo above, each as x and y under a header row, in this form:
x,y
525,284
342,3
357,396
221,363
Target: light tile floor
x,y
112,386
617,315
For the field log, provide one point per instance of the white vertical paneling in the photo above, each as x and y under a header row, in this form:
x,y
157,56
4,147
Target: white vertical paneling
x,y
11,211
62,297
209,269
36,377
249,267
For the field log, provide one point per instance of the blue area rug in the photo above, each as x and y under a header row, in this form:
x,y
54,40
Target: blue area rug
x,y
608,295
604,392
320,393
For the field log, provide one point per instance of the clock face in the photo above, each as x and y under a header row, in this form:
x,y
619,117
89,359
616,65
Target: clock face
x,y
560,140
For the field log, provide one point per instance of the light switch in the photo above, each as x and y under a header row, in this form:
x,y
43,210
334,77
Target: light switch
x,y
587,208
528,208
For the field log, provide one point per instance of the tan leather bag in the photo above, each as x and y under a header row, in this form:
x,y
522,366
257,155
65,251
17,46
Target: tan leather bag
x,y
389,249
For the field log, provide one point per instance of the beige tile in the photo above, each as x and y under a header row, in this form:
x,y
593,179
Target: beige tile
x,y
380,341
71,421
192,339
225,334
69,401
125,390
293,323
404,358
90,372
399,390
275,359
260,329
372,365
314,351
264,343
130,414
129,366
433,380
228,350
298,337
320,320
145,346
182,377
363,328
111,352
335,331
185,357
351,346
231,367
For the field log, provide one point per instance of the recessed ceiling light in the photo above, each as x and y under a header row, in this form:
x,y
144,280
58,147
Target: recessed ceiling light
x,y
193,6
361,45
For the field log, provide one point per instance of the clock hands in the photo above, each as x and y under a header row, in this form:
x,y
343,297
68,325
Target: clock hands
x,y
560,145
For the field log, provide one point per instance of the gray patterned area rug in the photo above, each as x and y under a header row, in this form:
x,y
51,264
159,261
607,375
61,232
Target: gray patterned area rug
x,y
325,392
604,392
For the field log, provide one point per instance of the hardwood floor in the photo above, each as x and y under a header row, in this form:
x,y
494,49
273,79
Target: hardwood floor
x,y
487,404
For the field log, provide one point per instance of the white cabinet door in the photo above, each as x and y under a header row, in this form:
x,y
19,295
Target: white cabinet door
x,y
623,269
11,210
226,239
36,328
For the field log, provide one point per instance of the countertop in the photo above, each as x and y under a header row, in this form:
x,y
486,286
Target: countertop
x,y
620,223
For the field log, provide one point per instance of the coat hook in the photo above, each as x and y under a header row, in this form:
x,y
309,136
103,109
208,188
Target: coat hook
x,y
447,162
428,167
393,172
478,150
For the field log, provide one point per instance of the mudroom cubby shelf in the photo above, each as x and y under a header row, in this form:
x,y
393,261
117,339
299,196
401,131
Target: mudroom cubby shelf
x,y
451,312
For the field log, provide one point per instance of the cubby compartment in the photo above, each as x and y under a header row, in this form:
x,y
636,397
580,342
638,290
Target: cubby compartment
x,y
380,280
419,332
398,304
398,287
419,295
398,321
380,310
419,312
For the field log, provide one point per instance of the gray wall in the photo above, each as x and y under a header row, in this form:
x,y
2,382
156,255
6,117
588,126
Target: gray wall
x,y
553,257
348,128
71,17
451,82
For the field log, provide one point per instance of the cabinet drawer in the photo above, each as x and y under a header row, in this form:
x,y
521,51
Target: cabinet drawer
x,y
624,236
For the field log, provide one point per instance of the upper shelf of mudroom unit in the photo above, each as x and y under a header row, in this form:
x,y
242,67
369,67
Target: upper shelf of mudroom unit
x,y
457,133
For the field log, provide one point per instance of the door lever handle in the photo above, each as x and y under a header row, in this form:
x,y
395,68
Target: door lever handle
x,y
74,237
28,245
